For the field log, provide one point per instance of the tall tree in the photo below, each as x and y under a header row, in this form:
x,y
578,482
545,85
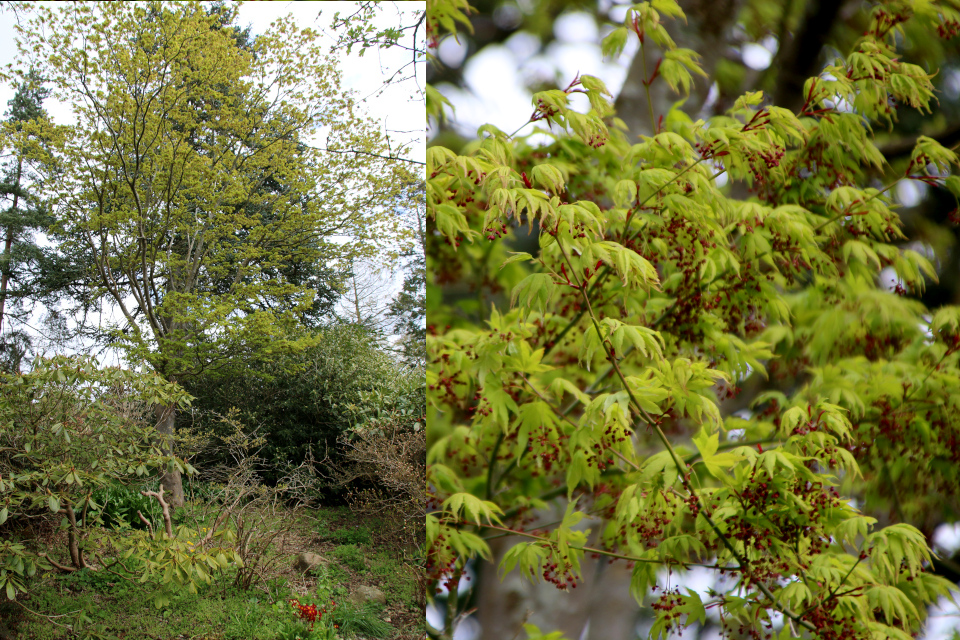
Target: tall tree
x,y
179,135
22,133
366,295
408,309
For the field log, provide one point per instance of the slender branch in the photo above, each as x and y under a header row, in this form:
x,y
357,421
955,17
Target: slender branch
x,y
833,593
146,522
452,600
50,618
367,153
109,569
602,552
168,526
57,564
864,201
646,87
492,464
681,467
605,271
692,458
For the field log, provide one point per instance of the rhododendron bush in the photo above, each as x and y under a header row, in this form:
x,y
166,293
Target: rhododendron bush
x,y
587,374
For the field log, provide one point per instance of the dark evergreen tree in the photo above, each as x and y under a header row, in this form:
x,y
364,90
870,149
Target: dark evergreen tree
x,y
408,310
22,215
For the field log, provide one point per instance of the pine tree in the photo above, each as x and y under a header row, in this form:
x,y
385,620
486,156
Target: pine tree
x,y
409,308
23,215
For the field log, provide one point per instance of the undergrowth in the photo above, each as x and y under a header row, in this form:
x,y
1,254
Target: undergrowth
x,y
118,607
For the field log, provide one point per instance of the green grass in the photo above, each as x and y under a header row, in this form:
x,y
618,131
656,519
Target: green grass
x,y
358,535
396,582
350,556
123,609
336,525
362,621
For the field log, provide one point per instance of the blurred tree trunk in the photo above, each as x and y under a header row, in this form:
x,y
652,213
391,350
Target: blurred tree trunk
x,y
599,608
798,56
708,27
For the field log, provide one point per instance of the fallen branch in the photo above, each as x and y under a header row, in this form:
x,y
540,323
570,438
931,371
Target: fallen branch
x,y
57,564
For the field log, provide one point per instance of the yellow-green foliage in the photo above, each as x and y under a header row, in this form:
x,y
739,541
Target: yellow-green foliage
x,y
190,187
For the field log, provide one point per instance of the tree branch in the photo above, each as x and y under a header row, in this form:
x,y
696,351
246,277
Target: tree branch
x,y
163,505
367,153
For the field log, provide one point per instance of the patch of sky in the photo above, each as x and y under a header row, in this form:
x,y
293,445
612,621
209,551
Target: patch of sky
x,y
453,50
910,193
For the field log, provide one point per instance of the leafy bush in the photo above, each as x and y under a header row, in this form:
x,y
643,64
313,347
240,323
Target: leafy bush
x,y
120,505
382,463
68,429
308,401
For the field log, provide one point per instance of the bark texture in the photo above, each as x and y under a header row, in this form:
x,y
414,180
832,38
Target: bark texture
x,y
171,481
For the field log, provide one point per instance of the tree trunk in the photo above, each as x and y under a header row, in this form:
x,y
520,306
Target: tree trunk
x,y
76,557
171,481
8,245
799,57
706,29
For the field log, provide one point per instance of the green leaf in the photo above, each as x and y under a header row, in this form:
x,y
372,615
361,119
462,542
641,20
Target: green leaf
x,y
706,443
612,46
473,507
54,504
549,177
576,472
952,183
534,292
519,256
693,607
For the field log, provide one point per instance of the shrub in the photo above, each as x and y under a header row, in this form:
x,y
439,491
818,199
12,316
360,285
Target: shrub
x,y
120,505
306,402
67,430
383,464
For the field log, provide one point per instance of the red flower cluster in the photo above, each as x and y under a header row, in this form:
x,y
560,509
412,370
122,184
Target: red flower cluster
x,y
310,612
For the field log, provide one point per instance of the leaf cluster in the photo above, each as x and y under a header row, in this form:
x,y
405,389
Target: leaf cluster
x,y
652,298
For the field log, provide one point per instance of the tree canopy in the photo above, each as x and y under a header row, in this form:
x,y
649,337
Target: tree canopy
x,y
188,190
633,361
179,135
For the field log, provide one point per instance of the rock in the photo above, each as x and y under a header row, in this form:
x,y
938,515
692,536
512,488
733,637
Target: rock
x,y
307,561
363,594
